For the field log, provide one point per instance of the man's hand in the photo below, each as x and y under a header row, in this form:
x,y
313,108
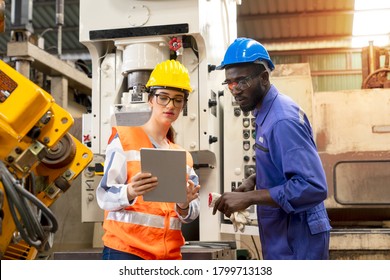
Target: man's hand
x,y
231,202
249,184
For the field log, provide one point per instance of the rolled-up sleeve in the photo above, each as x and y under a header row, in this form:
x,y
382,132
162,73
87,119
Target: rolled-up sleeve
x,y
194,207
305,182
112,190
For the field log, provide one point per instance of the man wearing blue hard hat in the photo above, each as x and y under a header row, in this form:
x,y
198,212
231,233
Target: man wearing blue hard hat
x,y
289,187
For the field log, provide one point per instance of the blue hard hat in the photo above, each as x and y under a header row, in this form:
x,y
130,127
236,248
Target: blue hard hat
x,y
245,50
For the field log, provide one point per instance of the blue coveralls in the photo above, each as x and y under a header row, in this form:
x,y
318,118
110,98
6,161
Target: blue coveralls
x,y
288,164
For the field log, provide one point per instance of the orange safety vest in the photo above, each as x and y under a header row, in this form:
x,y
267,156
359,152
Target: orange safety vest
x,y
150,230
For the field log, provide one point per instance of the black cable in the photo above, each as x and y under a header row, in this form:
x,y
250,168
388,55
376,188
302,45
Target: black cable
x,y
1,211
256,249
14,201
28,225
42,207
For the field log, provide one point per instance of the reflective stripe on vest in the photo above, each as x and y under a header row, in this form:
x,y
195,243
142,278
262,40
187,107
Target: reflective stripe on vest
x,y
133,155
144,219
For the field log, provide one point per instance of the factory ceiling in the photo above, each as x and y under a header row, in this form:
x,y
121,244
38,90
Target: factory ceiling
x,y
279,24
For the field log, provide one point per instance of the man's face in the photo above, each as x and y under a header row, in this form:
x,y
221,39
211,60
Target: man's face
x,y
245,84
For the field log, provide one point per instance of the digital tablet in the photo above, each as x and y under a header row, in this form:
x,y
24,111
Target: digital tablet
x,y
169,166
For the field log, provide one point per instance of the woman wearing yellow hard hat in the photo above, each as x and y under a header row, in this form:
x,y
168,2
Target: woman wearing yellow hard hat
x,y
134,228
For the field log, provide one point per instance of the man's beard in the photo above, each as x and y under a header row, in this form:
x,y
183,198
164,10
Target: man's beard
x,y
253,103
248,107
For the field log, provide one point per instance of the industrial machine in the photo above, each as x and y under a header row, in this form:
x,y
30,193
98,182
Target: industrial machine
x,y
39,161
126,39
374,73
140,34
39,157
124,50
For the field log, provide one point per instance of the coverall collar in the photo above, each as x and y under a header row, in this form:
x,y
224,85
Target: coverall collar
x,y
269,98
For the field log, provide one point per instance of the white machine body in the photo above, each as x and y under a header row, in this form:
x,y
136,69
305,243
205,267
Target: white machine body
x,y
126,39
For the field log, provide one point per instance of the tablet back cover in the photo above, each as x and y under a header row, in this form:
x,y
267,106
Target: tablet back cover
x,y
169,166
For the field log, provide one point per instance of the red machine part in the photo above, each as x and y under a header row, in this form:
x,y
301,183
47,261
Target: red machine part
x,y
175,44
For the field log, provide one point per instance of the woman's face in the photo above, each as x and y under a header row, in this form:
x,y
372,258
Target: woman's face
x,y
167,104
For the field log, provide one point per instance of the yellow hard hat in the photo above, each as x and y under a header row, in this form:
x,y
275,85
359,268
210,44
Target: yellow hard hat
x,y
170,74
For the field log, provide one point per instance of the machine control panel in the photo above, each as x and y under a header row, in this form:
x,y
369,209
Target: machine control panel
x,y
239,136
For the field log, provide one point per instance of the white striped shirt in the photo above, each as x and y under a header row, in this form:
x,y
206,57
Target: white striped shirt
x,y
112,190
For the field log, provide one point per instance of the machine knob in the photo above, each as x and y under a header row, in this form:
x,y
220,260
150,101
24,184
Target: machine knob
x,y
106,67
89,172
212,103
211,67
251,171
213,139
237,112
91,197
246,134
34,132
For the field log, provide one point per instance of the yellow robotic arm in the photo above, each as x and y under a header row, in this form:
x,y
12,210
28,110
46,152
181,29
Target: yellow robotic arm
x,y
39,160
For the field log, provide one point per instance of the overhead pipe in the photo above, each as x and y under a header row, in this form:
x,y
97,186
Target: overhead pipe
x,y
59,23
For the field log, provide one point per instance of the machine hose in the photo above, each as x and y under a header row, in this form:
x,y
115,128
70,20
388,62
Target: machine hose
x,y
21,202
